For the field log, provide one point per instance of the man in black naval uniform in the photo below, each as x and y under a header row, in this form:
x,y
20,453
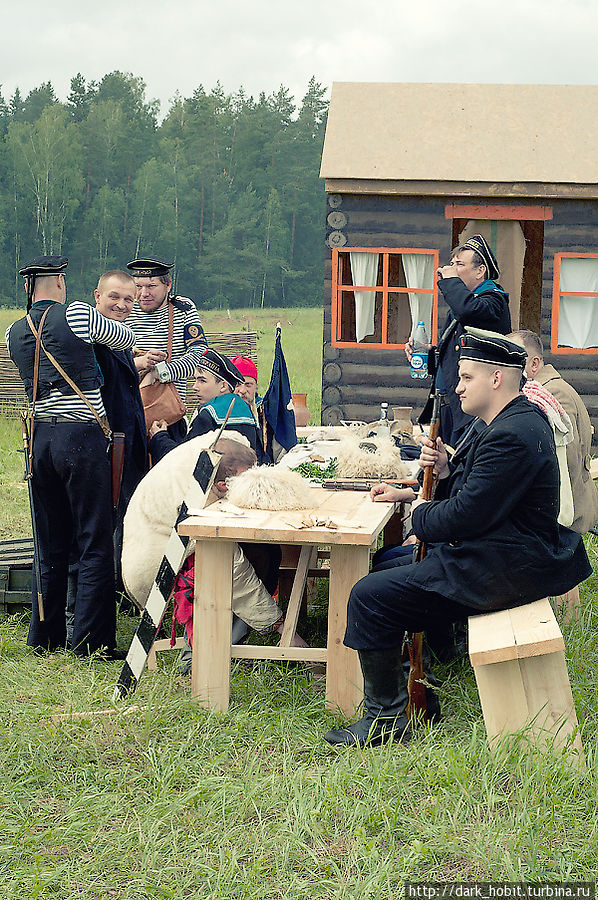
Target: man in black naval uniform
x,y
470,289
71,464
492,535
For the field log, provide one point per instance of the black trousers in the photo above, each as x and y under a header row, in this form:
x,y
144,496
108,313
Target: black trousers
x,y
385,604
73,511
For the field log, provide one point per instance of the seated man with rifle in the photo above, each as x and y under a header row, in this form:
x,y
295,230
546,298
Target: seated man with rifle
x,y
491,534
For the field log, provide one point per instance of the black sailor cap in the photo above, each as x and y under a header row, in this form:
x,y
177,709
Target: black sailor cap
x,y
221,367
149,266
45,265
490,347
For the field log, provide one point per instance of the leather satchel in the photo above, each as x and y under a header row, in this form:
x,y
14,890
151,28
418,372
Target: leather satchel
x,y
161,400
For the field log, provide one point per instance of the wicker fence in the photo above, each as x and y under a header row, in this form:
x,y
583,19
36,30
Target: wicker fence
x,y
12,393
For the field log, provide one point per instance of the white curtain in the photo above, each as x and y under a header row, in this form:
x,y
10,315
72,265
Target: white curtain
x,y
364,269
578,316
419,273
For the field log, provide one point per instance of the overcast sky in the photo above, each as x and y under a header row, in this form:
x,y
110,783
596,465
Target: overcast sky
x,y
175,45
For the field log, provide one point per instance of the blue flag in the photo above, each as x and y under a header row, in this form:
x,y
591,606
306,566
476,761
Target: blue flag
x,y
280,421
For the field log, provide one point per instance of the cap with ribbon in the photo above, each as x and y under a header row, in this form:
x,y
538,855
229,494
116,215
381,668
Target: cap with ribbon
x,y
491,347
149,266
41,265
479,244
246,366
221,367
45,265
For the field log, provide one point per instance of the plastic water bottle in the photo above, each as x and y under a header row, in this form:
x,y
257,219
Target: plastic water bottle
x,y
383,429
419,358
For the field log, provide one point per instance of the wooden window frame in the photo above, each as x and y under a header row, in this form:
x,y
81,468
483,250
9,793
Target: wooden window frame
x,y
556,296
384,289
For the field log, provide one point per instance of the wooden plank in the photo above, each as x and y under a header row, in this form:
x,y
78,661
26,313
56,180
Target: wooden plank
x,y
567,606
307,557
161,645
523,631
359,521
344,681
212,622
296,654
474,189
491,638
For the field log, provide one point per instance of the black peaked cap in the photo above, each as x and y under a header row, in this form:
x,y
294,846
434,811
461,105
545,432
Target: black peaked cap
x,y
149,266
490,347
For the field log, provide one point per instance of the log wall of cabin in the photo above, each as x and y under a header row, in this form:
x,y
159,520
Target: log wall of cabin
x,y
355,380
572,229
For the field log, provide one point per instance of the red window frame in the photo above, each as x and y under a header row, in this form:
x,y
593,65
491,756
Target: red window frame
x,y
556,297
384,289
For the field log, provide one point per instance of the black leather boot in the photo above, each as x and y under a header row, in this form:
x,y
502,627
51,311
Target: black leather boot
x,y
385,701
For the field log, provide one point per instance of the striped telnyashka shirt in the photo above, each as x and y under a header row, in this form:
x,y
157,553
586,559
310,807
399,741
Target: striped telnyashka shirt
x,y
188,338
90,326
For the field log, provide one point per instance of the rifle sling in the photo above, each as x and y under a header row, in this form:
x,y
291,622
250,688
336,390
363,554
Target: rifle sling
x,y
103,423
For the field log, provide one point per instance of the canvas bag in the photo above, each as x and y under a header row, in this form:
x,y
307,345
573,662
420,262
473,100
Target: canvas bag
x,y
161,400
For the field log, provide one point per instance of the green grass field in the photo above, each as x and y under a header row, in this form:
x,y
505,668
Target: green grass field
x,y
171,801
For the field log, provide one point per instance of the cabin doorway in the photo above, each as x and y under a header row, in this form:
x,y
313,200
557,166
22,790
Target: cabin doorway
x,y
519,248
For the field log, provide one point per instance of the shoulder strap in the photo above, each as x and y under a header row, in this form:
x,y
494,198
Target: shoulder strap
x,y
103,423
38,338
170,330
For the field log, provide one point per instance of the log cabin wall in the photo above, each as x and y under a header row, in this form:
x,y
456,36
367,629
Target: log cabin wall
x,y
573,229
356,380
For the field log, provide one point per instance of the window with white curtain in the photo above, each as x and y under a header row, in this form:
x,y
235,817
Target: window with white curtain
x,y
379,295
576,302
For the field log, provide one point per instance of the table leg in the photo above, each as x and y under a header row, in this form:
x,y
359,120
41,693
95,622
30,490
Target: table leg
x,y
344,681
212,619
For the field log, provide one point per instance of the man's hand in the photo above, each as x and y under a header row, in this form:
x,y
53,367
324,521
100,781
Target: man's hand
x,y
392,494
409,349
157,426
435,456
447,272
149,359
417,503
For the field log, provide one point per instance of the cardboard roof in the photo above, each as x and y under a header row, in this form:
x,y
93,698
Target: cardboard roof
x,y
462,132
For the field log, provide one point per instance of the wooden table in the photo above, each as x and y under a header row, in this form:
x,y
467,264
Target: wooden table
x,y
219,526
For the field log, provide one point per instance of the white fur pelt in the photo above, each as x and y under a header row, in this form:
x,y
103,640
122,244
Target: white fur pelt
x,y
354,461
269,487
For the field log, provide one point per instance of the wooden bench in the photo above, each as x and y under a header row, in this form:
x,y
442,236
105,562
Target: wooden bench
x,y
12,393
519,664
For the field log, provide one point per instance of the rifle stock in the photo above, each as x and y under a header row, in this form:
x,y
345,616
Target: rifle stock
x,y
28,476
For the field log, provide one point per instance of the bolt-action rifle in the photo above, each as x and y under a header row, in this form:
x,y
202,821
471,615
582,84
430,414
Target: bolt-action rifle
x,y
417,707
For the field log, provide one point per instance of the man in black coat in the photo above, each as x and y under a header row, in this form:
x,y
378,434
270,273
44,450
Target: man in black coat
x,y
114,297
470,289
492,535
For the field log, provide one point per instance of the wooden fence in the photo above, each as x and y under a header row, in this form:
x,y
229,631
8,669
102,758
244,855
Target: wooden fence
x,y
12,392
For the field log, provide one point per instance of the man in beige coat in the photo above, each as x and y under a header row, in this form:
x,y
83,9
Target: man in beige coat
x,y
585,496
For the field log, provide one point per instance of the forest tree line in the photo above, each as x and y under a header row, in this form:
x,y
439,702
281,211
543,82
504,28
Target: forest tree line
x,y
225,185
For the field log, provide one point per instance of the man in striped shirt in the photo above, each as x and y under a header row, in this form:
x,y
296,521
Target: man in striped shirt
x,y
149,320
71,463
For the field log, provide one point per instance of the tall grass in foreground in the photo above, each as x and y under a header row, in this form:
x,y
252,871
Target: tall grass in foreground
x,y
172,801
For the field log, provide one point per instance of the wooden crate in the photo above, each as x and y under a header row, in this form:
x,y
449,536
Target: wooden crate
x,y
16,560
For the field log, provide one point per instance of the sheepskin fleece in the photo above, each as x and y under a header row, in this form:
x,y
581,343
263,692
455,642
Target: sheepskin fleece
x,y
354,462
269,487
153,510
